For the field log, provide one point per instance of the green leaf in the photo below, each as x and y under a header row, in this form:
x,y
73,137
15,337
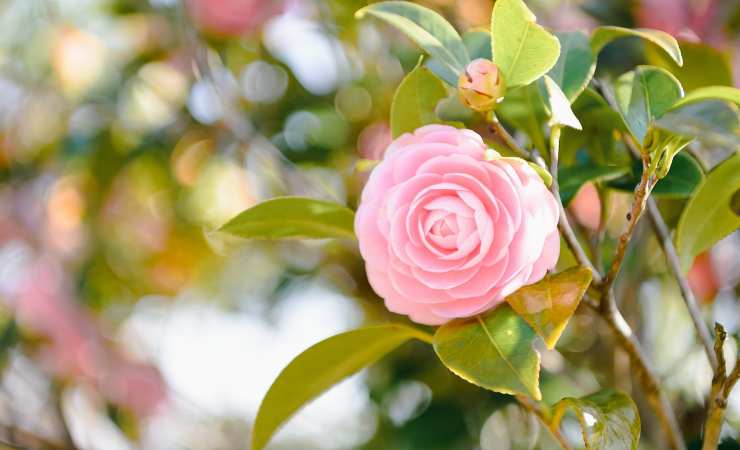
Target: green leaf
x,y
426,28
492,350
570,179
729,94
557,105
715,123
293,217
604,35
702,65
415,101
576,65
643,96
548,305
522,49
524,108
709,214
478,43
682,179
320,367
609,420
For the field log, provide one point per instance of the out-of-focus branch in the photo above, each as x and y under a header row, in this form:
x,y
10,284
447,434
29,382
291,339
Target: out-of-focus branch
x,y
16,438
664,239
722,385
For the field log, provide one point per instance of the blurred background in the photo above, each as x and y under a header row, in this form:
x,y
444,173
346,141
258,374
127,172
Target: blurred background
x,y
130,130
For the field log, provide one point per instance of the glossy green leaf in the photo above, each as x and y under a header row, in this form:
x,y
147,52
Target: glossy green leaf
x,y
609,420
293,217
415,101
604,35
478,43
643,96
426,28
715,123
320,367
492,350
725,93
524,108
576,65
709,215
522,49
697,58
684,177
557,105
548,305
570,179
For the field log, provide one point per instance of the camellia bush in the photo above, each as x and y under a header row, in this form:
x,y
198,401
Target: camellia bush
x,y
462,222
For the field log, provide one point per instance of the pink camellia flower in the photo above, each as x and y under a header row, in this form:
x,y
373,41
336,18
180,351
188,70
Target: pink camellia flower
x,y
448,228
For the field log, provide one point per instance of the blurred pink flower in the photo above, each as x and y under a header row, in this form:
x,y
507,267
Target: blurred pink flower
x,y
703,279
76,349
232,17
586,206
448,228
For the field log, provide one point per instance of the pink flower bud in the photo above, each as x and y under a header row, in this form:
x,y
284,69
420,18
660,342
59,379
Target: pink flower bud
x,y
481,86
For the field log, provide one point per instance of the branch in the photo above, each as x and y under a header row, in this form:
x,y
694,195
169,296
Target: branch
x,y
664,239
722,385
563,224
642,191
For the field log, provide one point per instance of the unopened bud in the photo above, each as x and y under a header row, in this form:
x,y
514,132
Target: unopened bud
x,y
481,86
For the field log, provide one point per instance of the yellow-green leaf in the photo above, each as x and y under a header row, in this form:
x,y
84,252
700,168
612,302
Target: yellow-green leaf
x,y
548,305
293,217
726,93
320,367
522,49
492,350
415,101
604,35
709,215
609,420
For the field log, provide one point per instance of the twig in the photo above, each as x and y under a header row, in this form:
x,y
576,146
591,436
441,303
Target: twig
x,y
642,191
563,224
722,385
664,239
535,409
